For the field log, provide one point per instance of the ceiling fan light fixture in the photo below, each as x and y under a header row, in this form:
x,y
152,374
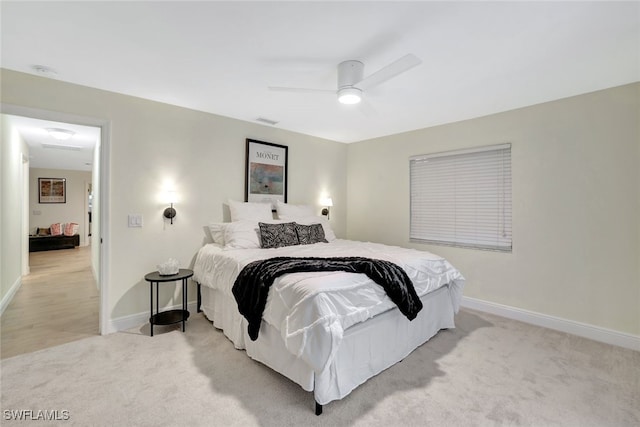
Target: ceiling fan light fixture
x,y
349,95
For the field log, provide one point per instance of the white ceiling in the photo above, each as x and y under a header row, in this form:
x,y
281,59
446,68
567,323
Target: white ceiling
x,y
478,57
47,152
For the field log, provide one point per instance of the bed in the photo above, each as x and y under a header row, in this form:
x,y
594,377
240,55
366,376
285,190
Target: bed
x,y
328,331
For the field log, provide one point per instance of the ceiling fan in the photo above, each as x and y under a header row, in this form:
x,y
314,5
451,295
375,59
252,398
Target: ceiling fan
x,y
351,80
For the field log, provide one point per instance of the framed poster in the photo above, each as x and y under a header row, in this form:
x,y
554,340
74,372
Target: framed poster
x,y
266,172
52,190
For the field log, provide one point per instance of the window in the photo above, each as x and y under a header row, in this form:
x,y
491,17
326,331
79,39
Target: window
x,y
462,198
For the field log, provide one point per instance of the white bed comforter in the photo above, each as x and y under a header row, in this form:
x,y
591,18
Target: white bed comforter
x,y
311,310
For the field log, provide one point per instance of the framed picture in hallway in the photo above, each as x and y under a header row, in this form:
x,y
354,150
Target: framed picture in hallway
x,y
266,172
52,190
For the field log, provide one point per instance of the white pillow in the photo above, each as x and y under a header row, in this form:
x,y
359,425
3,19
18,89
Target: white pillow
x,y
241,235
328,232
245,234
217,231
249,211
288,212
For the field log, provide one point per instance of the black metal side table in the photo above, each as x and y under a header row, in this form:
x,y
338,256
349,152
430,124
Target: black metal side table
x,y
169,317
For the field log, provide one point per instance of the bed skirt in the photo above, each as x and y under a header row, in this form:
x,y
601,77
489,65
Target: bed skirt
x,y
389,336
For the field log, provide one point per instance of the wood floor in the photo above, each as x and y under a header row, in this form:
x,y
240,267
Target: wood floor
x,y
57,303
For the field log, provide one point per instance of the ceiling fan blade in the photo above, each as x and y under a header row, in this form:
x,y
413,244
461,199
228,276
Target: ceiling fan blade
x,y
366,108
395,68
300,90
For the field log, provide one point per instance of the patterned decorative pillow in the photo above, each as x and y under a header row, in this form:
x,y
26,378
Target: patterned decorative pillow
x,y
70,229
56,229
308,234
328,232
278,235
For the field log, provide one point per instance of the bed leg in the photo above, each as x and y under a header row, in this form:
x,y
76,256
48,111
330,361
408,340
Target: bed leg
x,y
318,409
199,303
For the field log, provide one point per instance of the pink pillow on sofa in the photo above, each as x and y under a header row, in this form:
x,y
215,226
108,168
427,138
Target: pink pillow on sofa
x,y
70,229
56,229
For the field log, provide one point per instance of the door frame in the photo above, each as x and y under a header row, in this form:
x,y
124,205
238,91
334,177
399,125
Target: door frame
x,y
25,214
104,176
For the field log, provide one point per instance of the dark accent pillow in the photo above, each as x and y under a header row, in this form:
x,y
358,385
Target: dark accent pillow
x,y
278,235
308,234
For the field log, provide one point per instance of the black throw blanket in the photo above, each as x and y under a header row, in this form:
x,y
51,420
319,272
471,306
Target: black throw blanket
x,y
251,287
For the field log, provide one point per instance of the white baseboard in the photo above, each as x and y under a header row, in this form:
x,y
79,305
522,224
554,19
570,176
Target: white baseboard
x,y
585,330
133,320
6,300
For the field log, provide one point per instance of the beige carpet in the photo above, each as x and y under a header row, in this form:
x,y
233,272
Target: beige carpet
x,y
488,371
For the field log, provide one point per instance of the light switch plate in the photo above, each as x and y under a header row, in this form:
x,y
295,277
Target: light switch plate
x,y
135,220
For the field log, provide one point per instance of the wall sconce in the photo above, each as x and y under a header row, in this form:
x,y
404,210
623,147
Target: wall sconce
x,y
170,212
327,203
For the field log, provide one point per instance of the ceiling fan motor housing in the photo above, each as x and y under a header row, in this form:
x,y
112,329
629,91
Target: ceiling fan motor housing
x,y
350,73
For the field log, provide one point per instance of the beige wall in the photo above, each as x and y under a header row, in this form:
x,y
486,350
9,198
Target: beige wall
x,y
576,205
74,210
576,193
11,184
154,145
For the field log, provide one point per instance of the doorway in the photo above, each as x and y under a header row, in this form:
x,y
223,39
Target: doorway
x,y
93,249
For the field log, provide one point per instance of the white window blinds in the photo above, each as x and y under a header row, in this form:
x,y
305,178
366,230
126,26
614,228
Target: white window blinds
x,y
463,198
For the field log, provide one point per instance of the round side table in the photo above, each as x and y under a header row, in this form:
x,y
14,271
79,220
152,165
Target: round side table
x,y
168,317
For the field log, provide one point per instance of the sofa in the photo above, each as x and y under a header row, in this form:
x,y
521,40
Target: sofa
x,y
47,243
43,240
